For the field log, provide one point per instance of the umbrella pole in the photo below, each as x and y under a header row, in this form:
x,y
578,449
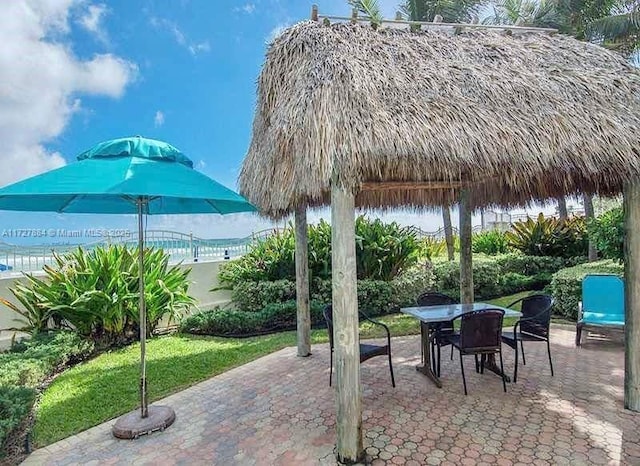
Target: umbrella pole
x,y
143,313
134,424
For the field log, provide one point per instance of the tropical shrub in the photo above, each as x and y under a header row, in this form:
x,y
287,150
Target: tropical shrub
x,y
254,296
486,278
549,237
15,406
375,297
320,250
230,322
499,275
531,265
607,232
95,293
26,368
31,361
566,284
432,247
512,283
490,242
412,283
383,250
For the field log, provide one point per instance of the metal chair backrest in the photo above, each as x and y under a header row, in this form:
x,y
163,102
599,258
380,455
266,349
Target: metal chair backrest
x,y
538,308
481,330
603,298
434,299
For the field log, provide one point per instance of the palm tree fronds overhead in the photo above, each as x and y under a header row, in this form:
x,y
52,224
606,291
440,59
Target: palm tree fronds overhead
x,y
369,8
511,117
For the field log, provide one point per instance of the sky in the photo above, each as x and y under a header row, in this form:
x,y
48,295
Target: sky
x,y
77,72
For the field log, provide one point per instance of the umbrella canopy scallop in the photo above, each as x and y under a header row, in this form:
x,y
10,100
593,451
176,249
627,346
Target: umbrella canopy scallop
x,y
109,177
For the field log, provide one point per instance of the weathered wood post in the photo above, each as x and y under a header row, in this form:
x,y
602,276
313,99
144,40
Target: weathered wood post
x,y
563,213
588,215
448,232
345,324
302,282
632,295
466,270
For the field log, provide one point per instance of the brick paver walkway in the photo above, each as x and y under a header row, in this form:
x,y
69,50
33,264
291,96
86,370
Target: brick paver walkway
x,y
279,410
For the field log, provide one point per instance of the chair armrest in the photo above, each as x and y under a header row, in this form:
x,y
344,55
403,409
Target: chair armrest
x,y
375,322
510,306
525,319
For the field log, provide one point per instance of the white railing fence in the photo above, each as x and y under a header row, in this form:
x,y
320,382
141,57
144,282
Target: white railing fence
x,y
181,247
187,247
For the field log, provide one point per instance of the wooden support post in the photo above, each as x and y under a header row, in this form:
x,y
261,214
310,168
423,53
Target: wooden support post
x,y
345,325
354,16
302,282
466,270
589,214
314,13
448,232
632,296
563,213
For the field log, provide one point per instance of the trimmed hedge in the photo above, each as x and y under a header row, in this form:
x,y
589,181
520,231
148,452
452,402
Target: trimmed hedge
x,y
32,361
566,285
231,322
15,406
26,367
531,265
263,307
374,296
255,296
500,275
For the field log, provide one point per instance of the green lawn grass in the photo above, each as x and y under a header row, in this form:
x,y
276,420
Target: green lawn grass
x,y
107,386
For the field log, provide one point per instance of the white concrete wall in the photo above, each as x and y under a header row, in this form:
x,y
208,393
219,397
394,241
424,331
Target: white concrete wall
x,y
203,277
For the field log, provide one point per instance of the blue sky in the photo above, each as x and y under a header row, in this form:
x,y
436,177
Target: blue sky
x,y
78,72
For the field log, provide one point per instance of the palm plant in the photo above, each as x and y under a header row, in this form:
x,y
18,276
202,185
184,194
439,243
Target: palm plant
x,y
369,8
95,293
451,11
620,29
532,13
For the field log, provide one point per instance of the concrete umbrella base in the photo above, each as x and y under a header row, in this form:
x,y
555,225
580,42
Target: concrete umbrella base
x,y
132,425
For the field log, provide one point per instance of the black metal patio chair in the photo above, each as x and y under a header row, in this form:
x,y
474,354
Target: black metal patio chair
x,y
367,350
532,326
480,335
440,330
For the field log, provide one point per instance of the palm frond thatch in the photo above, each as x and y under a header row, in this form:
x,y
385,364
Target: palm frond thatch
x,y
514,117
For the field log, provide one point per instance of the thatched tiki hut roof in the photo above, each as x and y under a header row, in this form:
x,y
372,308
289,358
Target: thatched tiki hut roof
x,y
522,117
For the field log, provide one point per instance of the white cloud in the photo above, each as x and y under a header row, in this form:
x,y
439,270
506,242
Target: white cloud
x,y
200,47
247,8
180,37
41,79
91,21
158,119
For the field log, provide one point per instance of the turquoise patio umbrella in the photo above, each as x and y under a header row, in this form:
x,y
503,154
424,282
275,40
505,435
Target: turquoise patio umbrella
x,y
132,175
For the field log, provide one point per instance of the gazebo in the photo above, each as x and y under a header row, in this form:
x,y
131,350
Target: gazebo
x,y
423,115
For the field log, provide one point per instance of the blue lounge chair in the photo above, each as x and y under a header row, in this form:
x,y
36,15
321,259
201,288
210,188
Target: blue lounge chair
x,y
602,305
